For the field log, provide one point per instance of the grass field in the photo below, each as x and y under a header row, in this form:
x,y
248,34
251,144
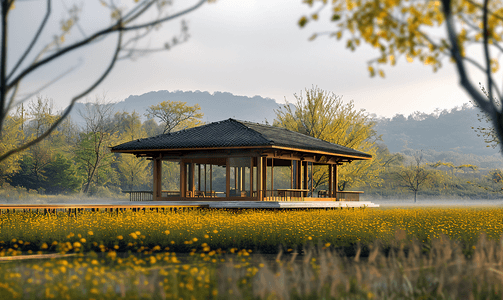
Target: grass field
x,y
414,253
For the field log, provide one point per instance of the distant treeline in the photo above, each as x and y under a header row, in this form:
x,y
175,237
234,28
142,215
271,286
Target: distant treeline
x,y
441,131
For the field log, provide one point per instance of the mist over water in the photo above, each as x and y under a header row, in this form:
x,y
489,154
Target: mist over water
x,y
432,202
76,199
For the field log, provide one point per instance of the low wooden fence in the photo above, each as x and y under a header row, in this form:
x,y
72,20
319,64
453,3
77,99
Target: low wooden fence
x,y
149,195
140,195
342,195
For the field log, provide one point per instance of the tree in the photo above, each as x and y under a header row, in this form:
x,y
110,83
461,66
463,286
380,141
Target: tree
x,y
175,115
325,116
152,128
415,176
131,25
12,137
93,154
407,28
133,171
38,118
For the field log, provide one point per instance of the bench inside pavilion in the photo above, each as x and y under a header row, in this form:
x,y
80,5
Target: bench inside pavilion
x,y
236,160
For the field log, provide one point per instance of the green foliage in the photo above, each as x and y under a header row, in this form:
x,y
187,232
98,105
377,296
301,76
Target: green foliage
x,y
57,176
94,159
61,176
10,137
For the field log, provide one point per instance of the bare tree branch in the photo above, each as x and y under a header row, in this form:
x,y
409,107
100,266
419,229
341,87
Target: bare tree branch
x,y
115,27
486,51
33,41
3,61
69,108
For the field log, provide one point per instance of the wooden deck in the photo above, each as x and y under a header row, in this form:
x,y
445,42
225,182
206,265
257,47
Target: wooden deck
x,y
119,205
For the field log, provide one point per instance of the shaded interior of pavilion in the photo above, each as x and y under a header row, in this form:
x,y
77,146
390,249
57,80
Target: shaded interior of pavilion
x,y
247,178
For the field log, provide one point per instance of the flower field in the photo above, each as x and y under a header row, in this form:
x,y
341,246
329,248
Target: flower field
x,y
257,230
212,254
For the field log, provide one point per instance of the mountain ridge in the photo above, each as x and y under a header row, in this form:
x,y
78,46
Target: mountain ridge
x,y
443,131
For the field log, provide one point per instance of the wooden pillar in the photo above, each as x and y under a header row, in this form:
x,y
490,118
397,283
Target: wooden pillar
x,y
227,178
199,177
272,175
157,193
237,173
183,179
242,172
264,176
298,176
291,174
330,181
251,176
312,182
235,178
260,181
205,179
192,185
336,181
305,183
211,180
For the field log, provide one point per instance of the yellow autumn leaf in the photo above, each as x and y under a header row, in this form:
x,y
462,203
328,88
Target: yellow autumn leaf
x,y
392,59
494,65
372,71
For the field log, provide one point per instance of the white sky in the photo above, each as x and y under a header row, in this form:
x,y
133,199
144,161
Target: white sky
x,y
251,47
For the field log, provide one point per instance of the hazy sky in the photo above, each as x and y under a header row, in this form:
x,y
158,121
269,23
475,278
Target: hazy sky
x,y
245,47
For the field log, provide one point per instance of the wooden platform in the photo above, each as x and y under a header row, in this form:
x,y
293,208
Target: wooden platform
x,y
195,204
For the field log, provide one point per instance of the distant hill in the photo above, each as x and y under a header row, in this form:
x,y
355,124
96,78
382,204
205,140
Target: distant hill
x,y
445,131
216,107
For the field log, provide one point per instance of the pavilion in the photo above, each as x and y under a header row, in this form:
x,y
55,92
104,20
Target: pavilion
x,y
237,160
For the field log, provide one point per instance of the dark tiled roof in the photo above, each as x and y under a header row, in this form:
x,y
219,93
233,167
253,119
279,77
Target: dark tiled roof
x,y
234,133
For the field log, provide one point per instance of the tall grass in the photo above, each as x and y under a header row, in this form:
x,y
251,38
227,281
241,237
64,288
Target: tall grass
x,y
405,272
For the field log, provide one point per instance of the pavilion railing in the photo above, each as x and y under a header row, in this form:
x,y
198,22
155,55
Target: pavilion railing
x,y
139,195
148,195
342,195
269,195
